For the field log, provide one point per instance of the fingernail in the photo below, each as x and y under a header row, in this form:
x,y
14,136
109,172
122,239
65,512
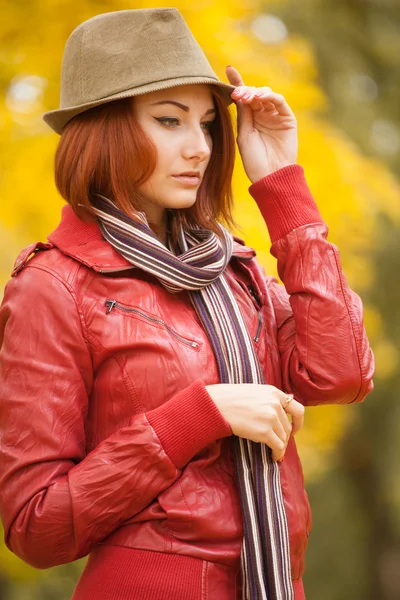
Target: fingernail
x,y
228,66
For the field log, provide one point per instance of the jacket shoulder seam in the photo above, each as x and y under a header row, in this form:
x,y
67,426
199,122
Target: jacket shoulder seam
x,y
71,291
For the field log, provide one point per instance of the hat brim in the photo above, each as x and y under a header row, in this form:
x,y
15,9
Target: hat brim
x,y
57,119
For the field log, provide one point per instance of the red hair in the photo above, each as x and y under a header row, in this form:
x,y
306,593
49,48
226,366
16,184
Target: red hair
x,y
104,150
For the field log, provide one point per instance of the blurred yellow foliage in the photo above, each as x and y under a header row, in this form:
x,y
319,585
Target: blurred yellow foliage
x,y
386,358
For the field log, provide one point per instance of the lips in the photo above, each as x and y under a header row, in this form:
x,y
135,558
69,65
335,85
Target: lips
x,y
188,174
187,179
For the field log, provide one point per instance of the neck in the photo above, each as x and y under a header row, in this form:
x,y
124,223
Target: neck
x,y
160,231
162,236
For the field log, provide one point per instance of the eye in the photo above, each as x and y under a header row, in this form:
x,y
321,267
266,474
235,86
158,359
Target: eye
x,y
208,125
166,120
172,121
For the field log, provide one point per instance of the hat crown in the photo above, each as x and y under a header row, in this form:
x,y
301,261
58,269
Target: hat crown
x,y
128,49
124,53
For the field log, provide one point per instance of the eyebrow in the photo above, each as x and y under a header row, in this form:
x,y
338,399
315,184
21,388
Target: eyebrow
x,y
182,106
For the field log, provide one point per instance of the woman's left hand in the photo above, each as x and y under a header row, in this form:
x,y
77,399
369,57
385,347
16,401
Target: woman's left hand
x,y
267,128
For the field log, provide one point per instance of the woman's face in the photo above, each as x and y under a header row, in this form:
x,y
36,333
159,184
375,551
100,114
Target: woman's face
x,y
178,121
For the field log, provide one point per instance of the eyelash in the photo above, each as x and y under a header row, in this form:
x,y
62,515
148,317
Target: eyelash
x,y
168,119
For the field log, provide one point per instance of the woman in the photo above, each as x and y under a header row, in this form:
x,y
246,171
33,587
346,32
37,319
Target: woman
x,y
149,366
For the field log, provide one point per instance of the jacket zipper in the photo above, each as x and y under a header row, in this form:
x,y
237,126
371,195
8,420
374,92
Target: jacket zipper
x,y
114,270
254,295
258,332
112,303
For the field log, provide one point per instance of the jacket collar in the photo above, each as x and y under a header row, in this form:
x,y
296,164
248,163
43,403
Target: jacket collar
x,y
84,242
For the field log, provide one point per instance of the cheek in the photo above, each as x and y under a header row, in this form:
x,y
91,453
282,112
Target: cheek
x,y
161,137
167,149
164,145
156,186
164,165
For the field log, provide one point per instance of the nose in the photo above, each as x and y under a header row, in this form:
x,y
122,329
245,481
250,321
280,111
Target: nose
x,y
197,144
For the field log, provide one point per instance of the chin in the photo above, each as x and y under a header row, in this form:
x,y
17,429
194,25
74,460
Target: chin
x,y
183,202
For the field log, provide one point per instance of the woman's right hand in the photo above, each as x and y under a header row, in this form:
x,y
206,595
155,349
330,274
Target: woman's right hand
x,y
255,412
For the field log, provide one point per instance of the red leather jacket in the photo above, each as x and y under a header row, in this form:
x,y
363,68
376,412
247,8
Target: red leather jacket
x,y
107,432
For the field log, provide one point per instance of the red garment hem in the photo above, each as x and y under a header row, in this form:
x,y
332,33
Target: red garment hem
x,y
119,573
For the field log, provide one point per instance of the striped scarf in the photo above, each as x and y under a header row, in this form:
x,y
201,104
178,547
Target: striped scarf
x,y
199,268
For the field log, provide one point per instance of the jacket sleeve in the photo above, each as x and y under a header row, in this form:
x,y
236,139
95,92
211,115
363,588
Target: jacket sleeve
x,y
56,500
325,354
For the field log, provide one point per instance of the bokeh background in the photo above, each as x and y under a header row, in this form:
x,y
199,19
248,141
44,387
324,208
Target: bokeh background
x,y
337,62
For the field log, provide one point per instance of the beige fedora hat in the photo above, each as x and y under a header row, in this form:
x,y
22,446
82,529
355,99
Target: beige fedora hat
x,y
127,53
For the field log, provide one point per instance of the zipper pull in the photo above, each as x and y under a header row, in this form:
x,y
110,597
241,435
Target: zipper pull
x,y
258,332
253,293
110,304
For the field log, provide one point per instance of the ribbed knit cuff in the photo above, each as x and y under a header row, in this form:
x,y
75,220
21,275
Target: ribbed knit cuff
x,y
285,201
187,423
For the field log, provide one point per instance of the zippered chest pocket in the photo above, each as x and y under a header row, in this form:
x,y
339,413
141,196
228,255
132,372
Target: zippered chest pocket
x,y
255,307
258,307
112,304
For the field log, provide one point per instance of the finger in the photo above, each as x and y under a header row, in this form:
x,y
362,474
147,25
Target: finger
x,y
233,76
244,118
276,99
280,431
244,112
265,88
297,410
265,96
294,408
276,445
249,97
285,422
243,90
